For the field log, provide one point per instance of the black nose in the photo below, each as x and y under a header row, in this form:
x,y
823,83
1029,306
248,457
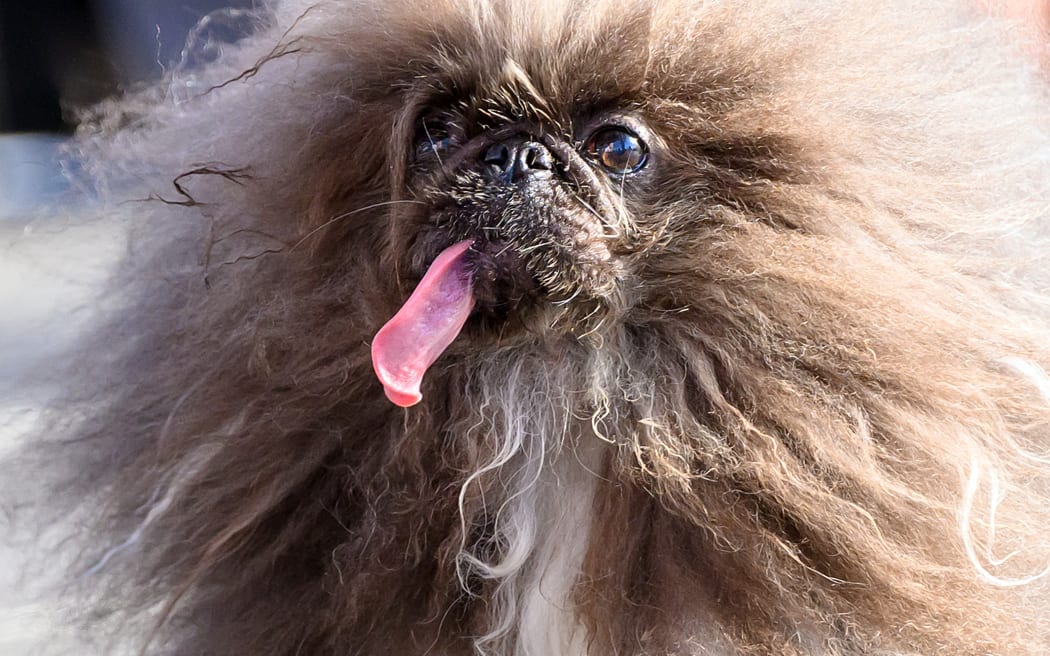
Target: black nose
x,y
515,159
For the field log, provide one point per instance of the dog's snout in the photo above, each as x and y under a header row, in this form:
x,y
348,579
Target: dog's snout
x,y
516,159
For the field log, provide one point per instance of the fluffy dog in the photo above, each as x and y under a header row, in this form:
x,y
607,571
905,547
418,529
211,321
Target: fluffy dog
x,y
576,327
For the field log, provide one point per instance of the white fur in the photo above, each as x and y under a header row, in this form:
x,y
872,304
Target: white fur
x,y
547,624
547,457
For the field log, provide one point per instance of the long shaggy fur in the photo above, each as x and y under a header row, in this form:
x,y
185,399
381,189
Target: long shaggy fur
x,y
811,419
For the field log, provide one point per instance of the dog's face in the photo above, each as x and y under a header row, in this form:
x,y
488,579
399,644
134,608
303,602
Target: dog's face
x,y
536,200
546,168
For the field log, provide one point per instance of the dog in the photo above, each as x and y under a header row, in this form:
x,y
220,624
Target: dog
x,y
572,328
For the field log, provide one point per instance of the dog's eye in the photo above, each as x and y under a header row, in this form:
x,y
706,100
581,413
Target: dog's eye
x,y
436,136
617,149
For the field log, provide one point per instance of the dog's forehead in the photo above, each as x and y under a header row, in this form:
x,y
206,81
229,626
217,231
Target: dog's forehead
x,y
544,65
511,92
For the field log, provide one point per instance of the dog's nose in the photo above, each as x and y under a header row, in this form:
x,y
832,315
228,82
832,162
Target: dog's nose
x,y
514,160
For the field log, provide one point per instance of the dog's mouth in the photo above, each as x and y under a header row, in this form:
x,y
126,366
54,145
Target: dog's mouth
x,y
484,282
532,243
495,255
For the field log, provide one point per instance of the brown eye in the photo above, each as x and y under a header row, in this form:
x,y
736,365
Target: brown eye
x,y
618,150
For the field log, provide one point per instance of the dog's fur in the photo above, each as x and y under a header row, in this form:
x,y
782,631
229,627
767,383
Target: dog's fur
x,y
802,411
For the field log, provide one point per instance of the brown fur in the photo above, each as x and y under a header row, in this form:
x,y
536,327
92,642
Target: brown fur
x,y
803,364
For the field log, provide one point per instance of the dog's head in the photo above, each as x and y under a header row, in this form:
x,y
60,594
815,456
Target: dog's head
x,y
593,166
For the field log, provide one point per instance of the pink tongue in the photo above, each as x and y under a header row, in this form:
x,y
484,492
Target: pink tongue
x,y
426,324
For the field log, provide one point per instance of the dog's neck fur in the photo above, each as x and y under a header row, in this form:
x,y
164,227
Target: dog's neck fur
x,y
564,502
541,482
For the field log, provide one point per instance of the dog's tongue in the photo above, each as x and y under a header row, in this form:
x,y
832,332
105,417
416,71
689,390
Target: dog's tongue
x,y
426,324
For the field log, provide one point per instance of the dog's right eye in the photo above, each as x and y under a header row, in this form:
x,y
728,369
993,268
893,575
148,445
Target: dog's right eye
x,y
435,136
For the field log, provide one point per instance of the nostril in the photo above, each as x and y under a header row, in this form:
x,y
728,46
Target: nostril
x,y
498,155
517,159
534,156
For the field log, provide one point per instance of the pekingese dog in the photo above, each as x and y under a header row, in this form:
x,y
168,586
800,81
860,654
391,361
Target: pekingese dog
x,y
575,327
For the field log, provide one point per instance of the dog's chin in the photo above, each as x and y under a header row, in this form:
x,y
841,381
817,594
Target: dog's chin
x,y
541,260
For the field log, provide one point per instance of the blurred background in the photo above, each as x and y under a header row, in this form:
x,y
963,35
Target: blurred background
x,y
57,56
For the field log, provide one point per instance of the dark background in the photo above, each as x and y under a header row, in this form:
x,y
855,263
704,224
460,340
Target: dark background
x,y
58,55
